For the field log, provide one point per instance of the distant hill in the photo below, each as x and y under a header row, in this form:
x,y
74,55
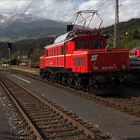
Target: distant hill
x,y
20,27
123,27
25,29
128,33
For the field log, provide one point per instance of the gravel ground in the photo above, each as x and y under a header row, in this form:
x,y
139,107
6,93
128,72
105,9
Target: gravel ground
x,y
120,125
28,70
12,126
5,133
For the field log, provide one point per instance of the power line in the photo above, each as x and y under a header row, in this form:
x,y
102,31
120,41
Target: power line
x,y
14,10
22,13
91,7
98,8
26,9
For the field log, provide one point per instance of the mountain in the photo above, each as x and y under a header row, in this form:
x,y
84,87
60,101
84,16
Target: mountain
x,y
128,34
3,18
22,26
32,27
123,27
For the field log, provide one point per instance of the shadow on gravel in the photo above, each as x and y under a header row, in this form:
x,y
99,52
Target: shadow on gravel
x,y
128,93
132,138
136,123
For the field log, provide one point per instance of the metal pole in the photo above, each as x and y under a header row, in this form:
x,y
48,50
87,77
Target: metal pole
x,y
116,23
38,50
2,63
9,51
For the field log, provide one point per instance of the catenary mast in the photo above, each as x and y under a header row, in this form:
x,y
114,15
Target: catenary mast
x,y
116,23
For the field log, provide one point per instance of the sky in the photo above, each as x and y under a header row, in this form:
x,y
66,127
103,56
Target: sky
x,y
64,10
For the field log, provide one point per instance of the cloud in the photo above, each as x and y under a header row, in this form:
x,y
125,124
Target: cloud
x,y
128,9
52,9
64,9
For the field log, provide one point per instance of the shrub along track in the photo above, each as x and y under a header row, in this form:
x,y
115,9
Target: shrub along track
x,y
45,119
125,103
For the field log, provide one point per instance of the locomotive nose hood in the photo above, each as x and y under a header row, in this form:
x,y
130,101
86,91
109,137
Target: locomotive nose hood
x,y
108,60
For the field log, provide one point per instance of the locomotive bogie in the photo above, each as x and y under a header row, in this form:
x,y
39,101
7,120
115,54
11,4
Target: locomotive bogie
x,y
84,81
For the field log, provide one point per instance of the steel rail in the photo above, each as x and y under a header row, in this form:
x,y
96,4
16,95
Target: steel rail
x,y
37,134
75,123
116,105
71,120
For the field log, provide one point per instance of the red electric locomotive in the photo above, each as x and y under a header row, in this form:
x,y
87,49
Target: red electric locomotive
x,y
135,53
81,58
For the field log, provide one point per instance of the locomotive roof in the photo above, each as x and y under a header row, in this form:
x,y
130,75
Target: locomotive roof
x,y
61,39
69,36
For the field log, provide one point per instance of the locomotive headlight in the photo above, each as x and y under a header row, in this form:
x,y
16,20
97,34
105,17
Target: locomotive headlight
x,y
95,68
123,66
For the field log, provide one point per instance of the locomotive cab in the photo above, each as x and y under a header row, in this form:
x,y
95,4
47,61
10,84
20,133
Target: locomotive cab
x,y
92,54
84,47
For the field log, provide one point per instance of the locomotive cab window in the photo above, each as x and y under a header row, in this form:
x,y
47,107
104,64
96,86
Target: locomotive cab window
x,y
81,44
97,44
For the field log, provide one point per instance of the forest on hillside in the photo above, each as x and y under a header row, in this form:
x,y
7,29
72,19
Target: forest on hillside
x,y
129,37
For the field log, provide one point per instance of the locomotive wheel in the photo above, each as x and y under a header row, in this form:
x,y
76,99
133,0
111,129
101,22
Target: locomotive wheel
x,y
64,81
70,81
47,77
42,75
77,84
53,78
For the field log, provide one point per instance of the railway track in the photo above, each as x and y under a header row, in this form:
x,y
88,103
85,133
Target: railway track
x,y
45,120
127,104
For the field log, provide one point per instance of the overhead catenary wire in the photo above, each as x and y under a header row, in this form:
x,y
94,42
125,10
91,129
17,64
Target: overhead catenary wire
x,y
91,7
13,10
97,6
97,9
25,10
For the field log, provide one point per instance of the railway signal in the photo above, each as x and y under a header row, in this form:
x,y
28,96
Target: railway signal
x,y
9,53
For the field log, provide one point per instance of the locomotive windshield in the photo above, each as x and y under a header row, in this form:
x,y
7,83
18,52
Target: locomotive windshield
x,y
97,44
85,43
81,44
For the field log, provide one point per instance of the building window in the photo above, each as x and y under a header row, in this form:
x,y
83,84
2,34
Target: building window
x,y
81,44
